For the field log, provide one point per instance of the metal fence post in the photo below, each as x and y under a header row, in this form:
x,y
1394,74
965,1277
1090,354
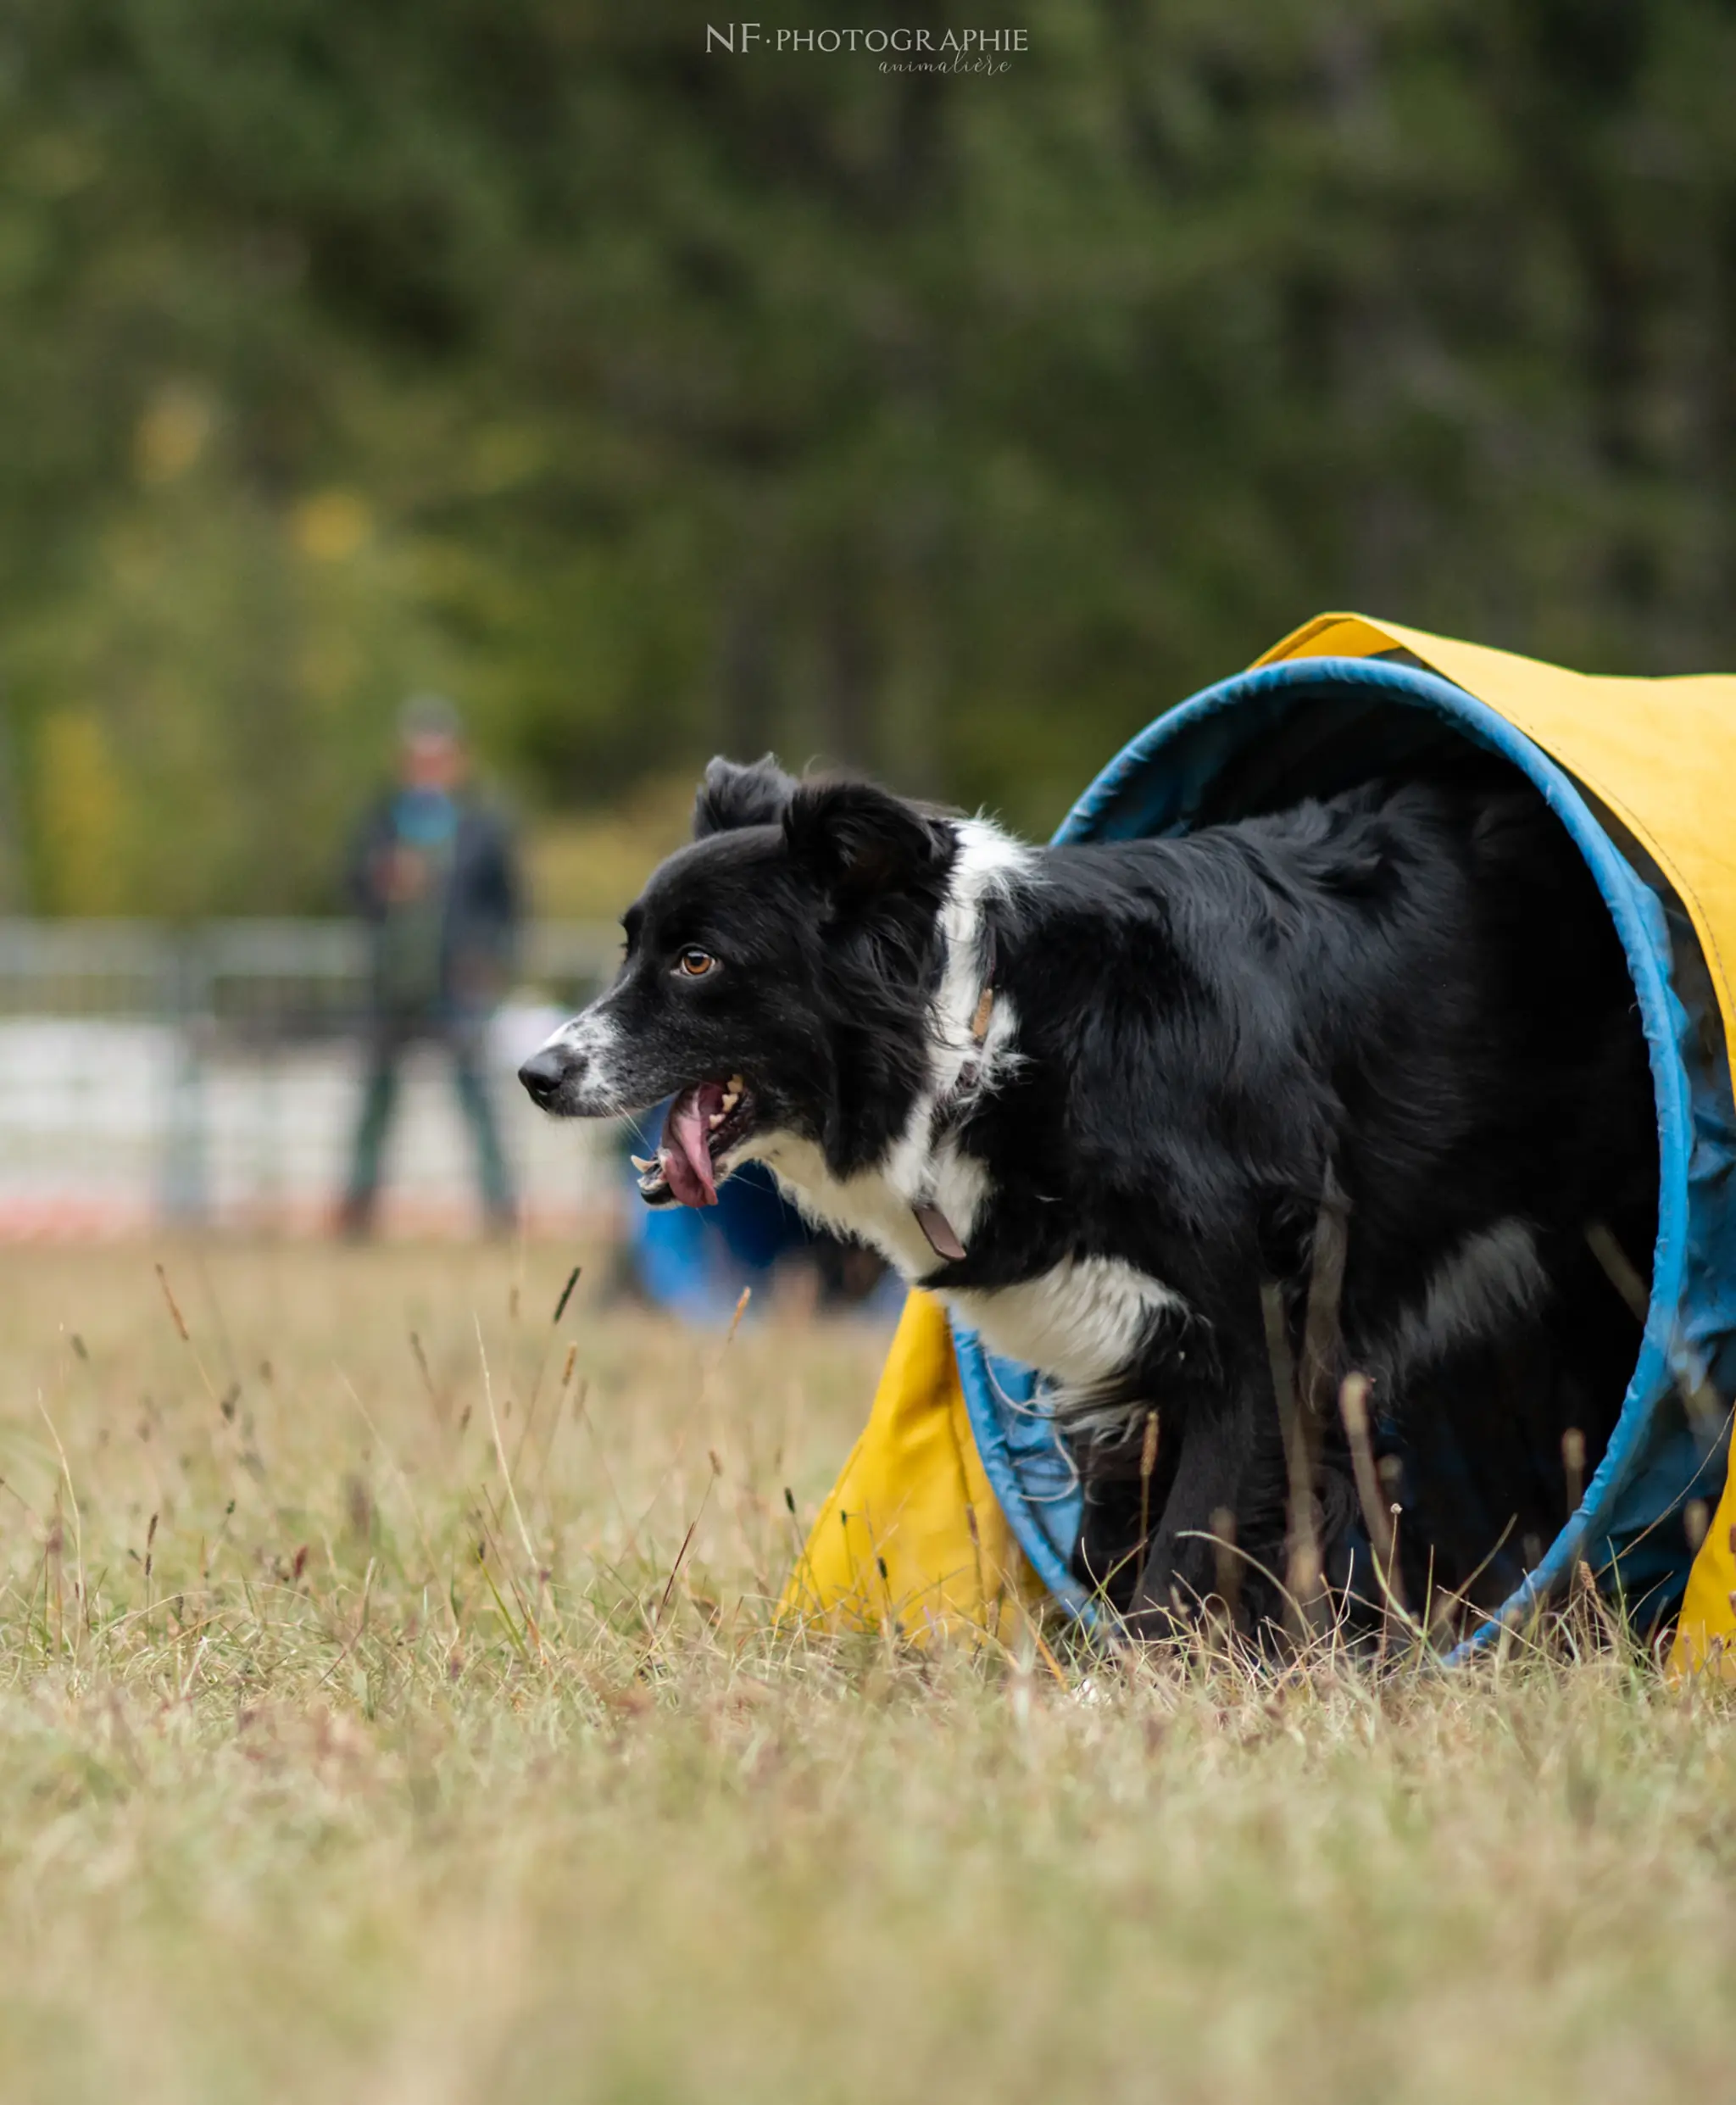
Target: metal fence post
x,y
187,1008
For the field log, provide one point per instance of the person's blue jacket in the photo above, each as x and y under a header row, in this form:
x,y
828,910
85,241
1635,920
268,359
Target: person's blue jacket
x,y
436,876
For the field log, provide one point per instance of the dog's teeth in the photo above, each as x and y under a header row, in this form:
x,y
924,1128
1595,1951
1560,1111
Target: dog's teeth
x,y
732,1098
737,1085
653,1175
643,1162
716,1118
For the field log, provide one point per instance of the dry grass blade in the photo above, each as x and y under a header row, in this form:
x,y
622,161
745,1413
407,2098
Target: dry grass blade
x,y
500,1449
186,1335
1377,1516
1302,1575
175,1314
1147,1465
1706,1409
78,1531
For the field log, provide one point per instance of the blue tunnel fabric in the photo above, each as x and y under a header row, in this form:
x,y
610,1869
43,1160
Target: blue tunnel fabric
x,y
1669,1443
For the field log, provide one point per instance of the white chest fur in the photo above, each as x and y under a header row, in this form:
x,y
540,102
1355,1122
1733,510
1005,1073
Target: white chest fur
x,y
1081,1322
870,1207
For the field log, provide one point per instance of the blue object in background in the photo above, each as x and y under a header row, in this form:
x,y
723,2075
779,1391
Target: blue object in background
x,y
694,1260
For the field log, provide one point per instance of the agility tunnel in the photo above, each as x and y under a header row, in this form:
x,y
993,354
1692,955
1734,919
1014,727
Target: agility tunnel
x,y
958,1501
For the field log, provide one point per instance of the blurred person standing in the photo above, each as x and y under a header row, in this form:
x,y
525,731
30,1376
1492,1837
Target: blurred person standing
x,y
434,872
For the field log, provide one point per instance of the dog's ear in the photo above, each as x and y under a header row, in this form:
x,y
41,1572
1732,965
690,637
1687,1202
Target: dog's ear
x,y
732,795
858,842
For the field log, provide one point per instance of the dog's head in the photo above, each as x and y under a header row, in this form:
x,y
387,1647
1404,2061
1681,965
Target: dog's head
x,y
775,980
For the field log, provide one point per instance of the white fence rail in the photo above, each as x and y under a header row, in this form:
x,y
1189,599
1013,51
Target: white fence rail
x,y
209,1076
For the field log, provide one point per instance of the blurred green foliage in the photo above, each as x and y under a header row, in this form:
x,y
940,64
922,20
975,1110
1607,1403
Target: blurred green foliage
x,y
651,400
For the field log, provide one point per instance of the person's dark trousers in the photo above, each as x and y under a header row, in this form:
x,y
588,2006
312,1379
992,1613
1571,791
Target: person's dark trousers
x,y
390,1038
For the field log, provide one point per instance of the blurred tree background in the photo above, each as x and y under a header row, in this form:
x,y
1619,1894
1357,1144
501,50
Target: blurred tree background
x,y
651,400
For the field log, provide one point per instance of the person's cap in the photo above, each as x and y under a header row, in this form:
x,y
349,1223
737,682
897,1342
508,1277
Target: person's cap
x,y
429,716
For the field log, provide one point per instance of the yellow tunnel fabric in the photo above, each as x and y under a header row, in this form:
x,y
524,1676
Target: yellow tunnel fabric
x,y
1660,755
911,1529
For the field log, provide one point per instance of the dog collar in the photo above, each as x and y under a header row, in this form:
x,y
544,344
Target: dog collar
x,y
942,1236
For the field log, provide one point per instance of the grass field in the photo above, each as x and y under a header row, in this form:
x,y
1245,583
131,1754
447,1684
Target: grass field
x,y
301,1799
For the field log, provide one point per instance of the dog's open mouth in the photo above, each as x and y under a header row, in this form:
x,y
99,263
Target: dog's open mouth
x,y
704,1123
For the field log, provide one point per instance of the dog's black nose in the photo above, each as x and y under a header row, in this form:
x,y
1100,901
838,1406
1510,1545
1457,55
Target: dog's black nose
x,y
543,1072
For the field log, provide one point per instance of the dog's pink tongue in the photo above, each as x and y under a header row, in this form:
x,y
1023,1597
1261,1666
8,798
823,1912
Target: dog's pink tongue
x,y
685,1152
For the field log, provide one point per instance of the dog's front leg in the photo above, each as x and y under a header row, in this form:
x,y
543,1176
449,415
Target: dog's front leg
x,y
1224,1513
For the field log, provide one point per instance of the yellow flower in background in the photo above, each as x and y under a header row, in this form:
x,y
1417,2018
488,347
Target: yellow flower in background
x,y
330,526
82,808
172,433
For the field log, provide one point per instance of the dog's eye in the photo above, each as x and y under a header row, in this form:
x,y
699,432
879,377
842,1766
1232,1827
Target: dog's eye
x,y
694,963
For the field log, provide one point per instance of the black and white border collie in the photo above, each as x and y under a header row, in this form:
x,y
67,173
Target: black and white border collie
x,y
1096,1096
